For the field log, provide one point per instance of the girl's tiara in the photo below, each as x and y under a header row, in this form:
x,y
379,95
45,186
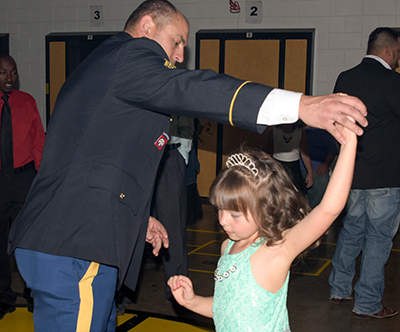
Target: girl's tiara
x,y
239,159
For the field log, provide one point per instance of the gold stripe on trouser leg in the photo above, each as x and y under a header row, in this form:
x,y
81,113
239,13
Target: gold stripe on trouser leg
x,y
86,299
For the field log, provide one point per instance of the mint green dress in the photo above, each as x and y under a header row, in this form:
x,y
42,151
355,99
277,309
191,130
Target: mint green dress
x,y
240,304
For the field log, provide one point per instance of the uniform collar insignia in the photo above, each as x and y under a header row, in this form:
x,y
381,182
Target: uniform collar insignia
x,y
168,64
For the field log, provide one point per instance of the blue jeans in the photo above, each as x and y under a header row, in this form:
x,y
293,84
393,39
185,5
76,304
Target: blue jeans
x,y
369,226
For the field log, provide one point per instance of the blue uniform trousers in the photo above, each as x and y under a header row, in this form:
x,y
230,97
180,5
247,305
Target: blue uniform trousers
x,y
69,294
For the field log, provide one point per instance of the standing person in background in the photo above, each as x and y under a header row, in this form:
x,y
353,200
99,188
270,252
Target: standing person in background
x,y
285,142
195,209
170,196
22,140
373,207
87,213
322,149
169,203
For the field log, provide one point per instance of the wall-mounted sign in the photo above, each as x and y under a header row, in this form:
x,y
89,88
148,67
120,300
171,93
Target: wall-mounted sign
x,y
254,12
96,16
234,7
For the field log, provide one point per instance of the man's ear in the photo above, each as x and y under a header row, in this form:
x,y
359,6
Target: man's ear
x,y
388,50
147,26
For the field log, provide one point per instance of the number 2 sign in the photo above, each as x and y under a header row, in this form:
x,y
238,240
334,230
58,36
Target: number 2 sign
x,y
254,11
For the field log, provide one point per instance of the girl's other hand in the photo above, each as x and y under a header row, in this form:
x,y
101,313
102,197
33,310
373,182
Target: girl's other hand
x,y
182,289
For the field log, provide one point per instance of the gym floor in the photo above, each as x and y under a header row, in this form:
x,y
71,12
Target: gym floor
x,y
308,305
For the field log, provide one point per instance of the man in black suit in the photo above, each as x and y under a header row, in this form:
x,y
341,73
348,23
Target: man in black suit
x,y
373,207
83,227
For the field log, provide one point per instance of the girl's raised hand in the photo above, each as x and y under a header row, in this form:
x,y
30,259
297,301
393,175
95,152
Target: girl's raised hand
x,y
349,135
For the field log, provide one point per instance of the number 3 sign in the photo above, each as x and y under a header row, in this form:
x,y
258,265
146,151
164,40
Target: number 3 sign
x,y
254,11
96,16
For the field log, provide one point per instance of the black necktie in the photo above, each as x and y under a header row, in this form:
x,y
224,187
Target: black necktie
x,y
7,159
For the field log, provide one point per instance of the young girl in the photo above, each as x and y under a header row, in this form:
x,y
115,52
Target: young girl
x,y
268,224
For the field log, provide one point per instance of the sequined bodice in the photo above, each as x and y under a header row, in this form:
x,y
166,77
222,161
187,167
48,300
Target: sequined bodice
x,y
240,304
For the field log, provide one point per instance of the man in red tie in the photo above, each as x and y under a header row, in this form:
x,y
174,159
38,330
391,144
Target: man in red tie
x,y
21,141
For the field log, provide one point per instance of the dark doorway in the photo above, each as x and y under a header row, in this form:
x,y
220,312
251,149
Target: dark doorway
x,y
4,43
64,52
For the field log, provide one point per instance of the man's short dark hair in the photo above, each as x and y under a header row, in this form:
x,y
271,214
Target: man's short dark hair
x,y
381,38
6,56
162,12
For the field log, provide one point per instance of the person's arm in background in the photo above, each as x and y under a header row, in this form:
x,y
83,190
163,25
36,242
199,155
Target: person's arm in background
x,y
324,167
331,148
270,141
37,135
306,159
183,134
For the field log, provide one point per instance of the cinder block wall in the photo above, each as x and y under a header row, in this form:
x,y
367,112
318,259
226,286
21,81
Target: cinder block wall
x,y
342,28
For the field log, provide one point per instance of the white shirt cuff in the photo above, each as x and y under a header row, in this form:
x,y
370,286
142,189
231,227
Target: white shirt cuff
x,y
279,107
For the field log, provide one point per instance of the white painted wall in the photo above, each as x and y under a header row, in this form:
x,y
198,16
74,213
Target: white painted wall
x,y
342,29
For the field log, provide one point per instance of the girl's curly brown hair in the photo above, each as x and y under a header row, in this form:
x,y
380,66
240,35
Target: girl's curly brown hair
x,y
270,197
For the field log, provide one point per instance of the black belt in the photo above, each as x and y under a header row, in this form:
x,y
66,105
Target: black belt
x,y
169,147
24,168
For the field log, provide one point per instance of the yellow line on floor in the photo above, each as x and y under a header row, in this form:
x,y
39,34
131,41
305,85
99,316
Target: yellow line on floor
x,y
204,231
328,261
158,324
202,271
21,320
203,246
205,254
124,318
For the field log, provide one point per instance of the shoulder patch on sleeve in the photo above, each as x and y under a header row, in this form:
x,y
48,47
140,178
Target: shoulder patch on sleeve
x,y
161,141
